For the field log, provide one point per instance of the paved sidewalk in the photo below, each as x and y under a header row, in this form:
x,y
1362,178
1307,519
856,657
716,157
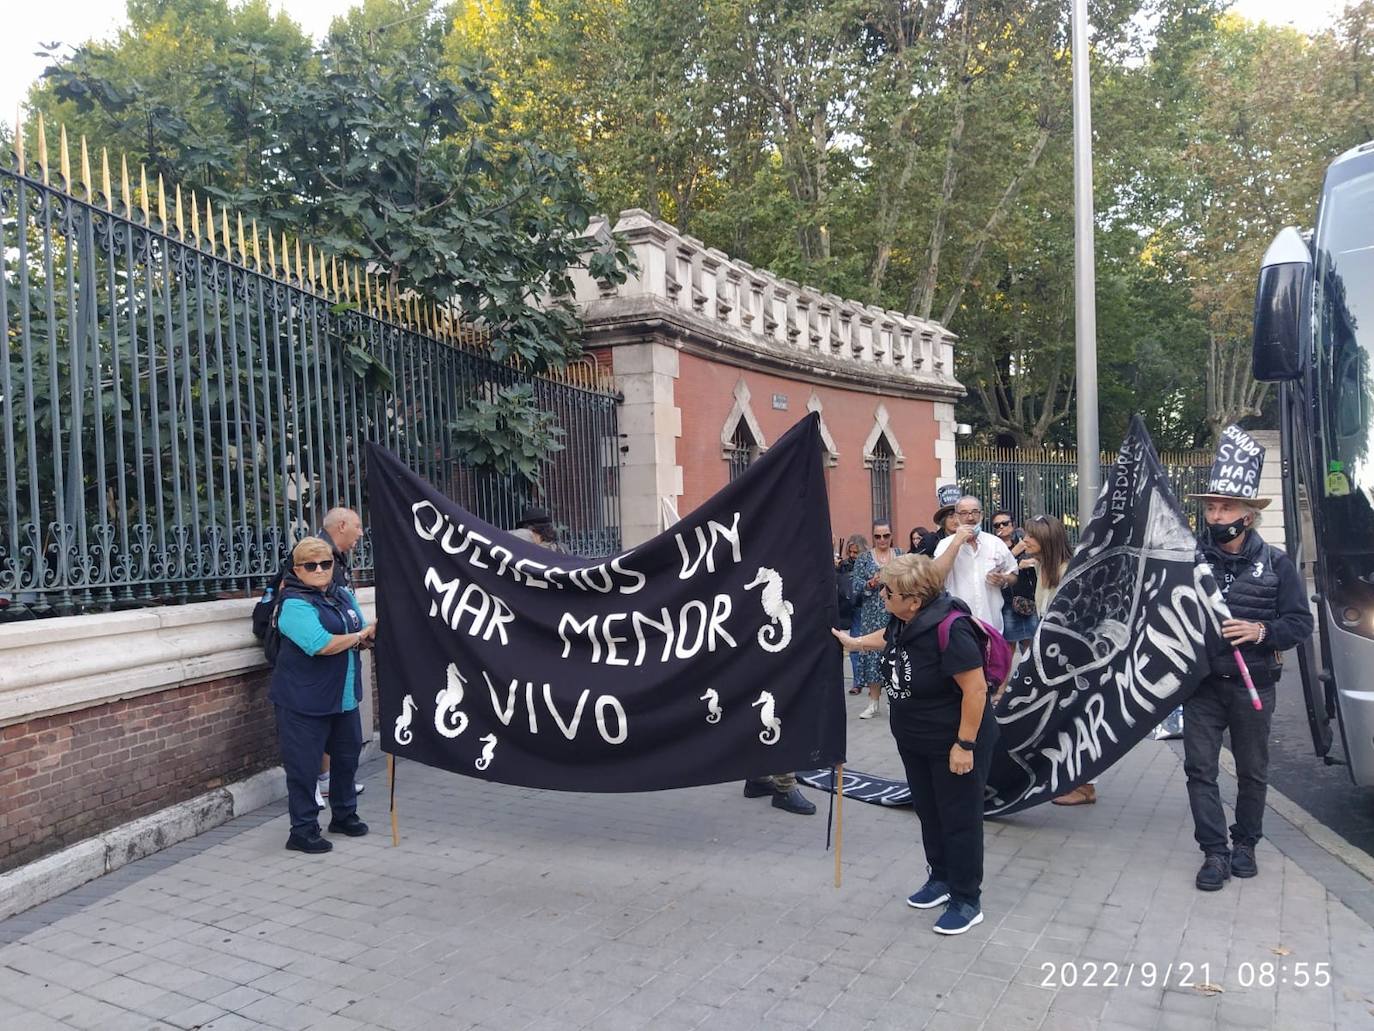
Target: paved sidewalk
x,y
508,908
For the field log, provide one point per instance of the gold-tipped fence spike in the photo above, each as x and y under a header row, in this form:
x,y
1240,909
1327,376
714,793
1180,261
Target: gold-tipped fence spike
x,y
176,210
43,149
143,191
243,242
310,265
210,224
285,257
224,232
19,137
105,179
334,279
161,202
86,170
271,251
350,293
64,161
300,269
369,301
195,219
257,249
124,186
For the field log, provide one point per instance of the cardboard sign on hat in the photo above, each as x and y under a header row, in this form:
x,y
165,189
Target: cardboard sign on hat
x,y
1236,469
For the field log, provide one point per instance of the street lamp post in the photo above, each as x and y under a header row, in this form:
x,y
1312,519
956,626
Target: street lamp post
x,y
1085,282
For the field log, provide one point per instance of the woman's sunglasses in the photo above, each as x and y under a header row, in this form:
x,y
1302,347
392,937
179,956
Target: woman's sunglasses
x,y
311,567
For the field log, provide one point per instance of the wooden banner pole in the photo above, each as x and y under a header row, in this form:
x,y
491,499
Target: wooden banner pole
x,y
839,818
391,787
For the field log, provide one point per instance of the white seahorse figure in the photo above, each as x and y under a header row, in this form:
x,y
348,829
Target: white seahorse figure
x,y
777,635
488,750
712,700
772,726
403,734
449,720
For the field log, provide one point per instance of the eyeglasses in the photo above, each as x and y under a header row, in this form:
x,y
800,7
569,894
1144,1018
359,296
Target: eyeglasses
x,y
311,567
888,592
882,536
1001,526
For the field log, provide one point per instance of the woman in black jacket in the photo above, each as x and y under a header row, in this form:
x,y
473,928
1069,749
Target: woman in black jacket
x,y
942,721
848,599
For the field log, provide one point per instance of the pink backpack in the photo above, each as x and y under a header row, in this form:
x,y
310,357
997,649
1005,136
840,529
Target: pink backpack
x,y
997,652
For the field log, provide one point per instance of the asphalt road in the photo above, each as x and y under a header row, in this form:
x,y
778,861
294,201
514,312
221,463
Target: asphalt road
x,y
1324,791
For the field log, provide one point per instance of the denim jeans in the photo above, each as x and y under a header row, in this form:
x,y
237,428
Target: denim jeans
x,y
1220,705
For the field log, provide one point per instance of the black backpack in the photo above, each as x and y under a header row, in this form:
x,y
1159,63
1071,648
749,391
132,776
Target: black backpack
x,y
265,615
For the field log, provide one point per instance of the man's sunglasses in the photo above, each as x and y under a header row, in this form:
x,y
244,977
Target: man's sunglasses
x,y
882,536
311,567
1000,526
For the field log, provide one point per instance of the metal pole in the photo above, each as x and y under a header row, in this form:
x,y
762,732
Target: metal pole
x,y
1085,282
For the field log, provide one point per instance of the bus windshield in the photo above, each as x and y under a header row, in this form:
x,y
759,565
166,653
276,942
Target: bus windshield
x,y
1343,295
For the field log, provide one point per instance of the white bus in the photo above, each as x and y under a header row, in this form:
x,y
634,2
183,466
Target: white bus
x,y
1314,336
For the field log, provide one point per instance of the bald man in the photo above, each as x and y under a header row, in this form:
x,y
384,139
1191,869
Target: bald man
x,y
343,529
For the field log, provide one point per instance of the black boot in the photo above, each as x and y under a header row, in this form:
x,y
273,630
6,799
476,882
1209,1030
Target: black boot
x,y
1215,872
1243,861
759,788
350,825
313,843
794,802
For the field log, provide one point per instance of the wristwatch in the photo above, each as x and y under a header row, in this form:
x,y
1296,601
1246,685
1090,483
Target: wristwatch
x,y
967,746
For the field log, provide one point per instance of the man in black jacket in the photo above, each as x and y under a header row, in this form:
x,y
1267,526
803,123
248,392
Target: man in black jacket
x,y
1269,615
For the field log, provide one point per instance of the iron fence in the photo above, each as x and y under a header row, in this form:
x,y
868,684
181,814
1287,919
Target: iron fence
x,y
1029,482
177,411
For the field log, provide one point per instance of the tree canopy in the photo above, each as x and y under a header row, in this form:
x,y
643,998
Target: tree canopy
x,y
911,153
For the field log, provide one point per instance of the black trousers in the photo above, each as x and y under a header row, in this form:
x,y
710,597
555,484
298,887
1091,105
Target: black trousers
x,y
302,740
1216,706
950,808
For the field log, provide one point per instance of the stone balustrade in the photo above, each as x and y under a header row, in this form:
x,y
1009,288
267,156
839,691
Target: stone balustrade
x,y
730,300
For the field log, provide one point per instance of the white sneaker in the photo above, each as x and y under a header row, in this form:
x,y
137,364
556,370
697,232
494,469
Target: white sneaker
x,y
322,789
870,712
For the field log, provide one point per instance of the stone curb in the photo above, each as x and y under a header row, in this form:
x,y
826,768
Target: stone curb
x,y
54,875
1313,829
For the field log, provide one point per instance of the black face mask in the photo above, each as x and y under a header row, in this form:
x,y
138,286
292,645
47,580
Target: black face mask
x,y
1221,533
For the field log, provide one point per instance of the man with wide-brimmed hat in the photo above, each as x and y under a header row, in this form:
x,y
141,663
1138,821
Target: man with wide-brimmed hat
x,y
1269,614
536,526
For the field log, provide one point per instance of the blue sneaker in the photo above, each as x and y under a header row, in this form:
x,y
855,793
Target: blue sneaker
x,y
932,893
957,918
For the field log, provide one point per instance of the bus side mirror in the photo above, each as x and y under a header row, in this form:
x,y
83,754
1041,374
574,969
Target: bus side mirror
x,y
1285,280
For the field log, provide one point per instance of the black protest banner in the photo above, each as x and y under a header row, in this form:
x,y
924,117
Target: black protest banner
x,y
704,655
1125,640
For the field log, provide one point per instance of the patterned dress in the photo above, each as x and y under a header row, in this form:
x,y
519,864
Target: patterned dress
x,y
873,615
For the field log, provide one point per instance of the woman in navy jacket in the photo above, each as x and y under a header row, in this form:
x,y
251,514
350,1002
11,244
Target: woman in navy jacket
x,y
316,687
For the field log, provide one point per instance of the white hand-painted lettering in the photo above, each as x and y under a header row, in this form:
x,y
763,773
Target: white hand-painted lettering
x,y
684,633
706,552
490,615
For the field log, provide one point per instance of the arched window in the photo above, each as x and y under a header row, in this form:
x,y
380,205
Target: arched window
x,y
742,451
880,481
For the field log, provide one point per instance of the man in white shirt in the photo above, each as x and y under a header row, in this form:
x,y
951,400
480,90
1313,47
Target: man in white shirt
x,y
976,565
